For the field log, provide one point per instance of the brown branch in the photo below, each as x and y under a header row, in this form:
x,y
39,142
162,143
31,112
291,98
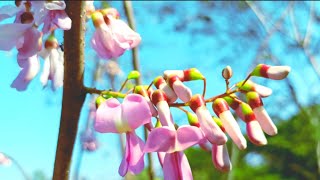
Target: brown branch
x,y
73,90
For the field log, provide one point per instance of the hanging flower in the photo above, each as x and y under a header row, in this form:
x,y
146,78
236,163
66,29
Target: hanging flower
x,y
113,117
112,36
53,63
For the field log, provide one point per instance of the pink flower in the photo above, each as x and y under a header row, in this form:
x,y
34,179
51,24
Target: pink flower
x,y
88,141
53,63
112,38
113,117
29,69
52,14
176,166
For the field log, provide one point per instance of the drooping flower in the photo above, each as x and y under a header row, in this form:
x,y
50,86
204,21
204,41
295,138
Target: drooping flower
x,y
160,83
176,166
53,63
112,36
114,117
52,14
88,140
182,91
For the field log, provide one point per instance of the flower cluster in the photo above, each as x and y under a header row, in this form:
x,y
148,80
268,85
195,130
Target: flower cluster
x,y
23,34
209,132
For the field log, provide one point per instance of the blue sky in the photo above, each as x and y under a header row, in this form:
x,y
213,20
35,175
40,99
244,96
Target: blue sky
x,y
30,119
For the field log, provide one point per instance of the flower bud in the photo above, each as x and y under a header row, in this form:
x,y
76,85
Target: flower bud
x,y
159,99
210,129
261,114
160,83
227,72
251,86
220,158
99,100
192,119
221,108
142,91
26,18
97,19
109,12
181,90
51,42
192,74
168,73
271,72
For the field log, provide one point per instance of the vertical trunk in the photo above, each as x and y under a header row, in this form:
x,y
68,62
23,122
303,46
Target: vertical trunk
x,y
73,91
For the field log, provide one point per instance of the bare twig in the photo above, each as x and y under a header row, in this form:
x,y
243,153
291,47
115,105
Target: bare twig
x,y
307,36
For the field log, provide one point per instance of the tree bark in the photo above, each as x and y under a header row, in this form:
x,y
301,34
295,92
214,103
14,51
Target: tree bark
x,y
73,89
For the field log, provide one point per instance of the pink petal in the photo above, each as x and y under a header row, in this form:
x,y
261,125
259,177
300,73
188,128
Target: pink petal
x,y
165,114
182,91
11,33
135,110
161,156
255,133
265,121
178,73
262,90
176,166
188,136
31,44
211,130
61,20
45,72
108,116
161,139
123,33
233,129
55,5
8,11
30,68
220,158
135,158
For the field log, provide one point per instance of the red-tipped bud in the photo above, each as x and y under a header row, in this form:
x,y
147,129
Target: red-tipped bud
x,y
220,107
246,112
109,12
192,74
142,91
231,101
160,83
182,91
219,123
179,73
157,96
26,18
251,86
261,114
271,72
196,102
227,72
97,19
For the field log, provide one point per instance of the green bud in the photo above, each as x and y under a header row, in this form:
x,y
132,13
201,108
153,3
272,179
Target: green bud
x,y
133,75
100,99
193,120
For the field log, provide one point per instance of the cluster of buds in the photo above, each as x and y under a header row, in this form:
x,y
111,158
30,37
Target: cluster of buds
x,y
209,132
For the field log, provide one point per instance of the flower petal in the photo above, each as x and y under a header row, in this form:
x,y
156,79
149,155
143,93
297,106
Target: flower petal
x,y
188,136
161,139
8,11
220,158
136,163
165,116
61,20
108,116
10,34
30,68
176,166
31,44
135,110
45,72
